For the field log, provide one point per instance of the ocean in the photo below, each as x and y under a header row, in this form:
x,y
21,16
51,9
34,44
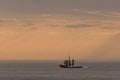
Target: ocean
x,y
50,70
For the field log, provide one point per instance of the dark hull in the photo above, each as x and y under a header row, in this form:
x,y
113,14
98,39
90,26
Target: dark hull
x,y
63,66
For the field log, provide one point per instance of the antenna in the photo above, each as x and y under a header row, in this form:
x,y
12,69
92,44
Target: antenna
x,y
69,56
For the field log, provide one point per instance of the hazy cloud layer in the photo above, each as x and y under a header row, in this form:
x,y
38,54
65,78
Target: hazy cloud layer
x,y
80,26
17,7
60,21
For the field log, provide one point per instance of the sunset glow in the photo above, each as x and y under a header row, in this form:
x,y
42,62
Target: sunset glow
x,y
50,31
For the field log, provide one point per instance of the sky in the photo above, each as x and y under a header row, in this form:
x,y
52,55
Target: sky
x,y
88,30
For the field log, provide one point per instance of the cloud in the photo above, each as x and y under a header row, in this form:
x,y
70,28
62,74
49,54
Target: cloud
x,y
17,24
111,27
97,13
79,26
110,14
60,21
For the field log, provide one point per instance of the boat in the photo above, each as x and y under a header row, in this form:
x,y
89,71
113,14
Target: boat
x,y
69,64
64,66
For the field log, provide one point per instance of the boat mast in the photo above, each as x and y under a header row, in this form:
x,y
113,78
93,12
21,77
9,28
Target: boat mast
x,y
69,57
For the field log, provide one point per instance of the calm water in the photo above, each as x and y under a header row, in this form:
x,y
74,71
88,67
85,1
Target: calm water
x,y
35,70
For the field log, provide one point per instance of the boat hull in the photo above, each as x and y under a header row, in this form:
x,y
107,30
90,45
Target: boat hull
x,y
63,66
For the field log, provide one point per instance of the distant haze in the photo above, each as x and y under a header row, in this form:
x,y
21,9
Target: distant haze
x,y
51,29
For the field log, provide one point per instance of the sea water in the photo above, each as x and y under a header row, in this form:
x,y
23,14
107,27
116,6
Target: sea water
x,y
50,70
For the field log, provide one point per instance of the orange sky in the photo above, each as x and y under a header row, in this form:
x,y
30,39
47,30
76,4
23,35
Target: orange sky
x,y
52,37
51,29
